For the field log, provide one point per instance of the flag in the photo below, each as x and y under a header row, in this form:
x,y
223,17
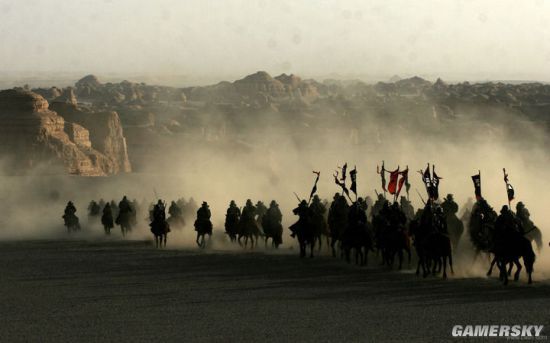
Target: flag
x,y
382,176
341,184
353,177
477,185
392,185
427,179
404,180
314,189
407,184
510,191
344,168
509,188
435,184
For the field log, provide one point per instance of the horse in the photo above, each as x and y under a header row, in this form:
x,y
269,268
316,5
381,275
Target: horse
x,y
203,228
72,223
124,219
274,230
509,249
304,234
395,242
436,250
455,228
359,239
160,231
250,231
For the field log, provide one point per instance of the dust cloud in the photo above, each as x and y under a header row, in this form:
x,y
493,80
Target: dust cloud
x,y
275,159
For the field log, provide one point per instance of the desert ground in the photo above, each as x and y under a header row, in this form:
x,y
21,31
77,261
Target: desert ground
x,y
114,290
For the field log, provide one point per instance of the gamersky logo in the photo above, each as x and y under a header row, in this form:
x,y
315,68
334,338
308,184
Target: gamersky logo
x,y
511,331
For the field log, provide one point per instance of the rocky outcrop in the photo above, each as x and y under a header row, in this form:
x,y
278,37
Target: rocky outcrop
x,y
105,132
32,135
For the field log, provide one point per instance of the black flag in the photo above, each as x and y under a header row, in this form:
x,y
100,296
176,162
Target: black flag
x,y
344,171
353,177
509,188
427,179
477,185
341,184
314,189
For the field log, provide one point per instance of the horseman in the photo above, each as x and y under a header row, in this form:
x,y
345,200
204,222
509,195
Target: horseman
x,y
481,225
261,210
124,218
107,219
531,231
271,224
318,222
303,229
407,208
397,219
337,219
454,225
176,215
524,217
449,206
159,225
355,235
247,225
232,218
440,222
70,218
93,209
379,205
203,225
507,224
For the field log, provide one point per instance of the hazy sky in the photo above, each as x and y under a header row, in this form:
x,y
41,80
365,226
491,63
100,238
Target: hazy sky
x,y
474,39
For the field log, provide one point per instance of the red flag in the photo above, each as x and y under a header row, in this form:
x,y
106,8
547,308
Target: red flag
x,y
392,185
404,178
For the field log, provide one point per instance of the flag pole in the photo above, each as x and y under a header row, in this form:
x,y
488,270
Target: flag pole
x,y
382,174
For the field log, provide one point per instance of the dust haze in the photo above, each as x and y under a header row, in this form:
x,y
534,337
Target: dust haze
x,y
274,159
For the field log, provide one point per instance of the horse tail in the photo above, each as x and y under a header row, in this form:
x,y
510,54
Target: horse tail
x,y
538,239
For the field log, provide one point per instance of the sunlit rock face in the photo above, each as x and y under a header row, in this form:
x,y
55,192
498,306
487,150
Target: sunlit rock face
x,y
32,135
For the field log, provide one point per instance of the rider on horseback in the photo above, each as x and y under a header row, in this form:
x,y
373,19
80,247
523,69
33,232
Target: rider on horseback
x,y
124,218
71,220
407,208
159,225
107,219
232,218
271,224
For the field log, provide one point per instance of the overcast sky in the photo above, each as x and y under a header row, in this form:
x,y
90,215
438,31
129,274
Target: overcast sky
x,y
475,39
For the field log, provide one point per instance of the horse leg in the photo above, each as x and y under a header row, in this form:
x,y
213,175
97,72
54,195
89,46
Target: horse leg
x,y
451,263
197,240
518,266
510,268
444,267
491,266
165,239
400,255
